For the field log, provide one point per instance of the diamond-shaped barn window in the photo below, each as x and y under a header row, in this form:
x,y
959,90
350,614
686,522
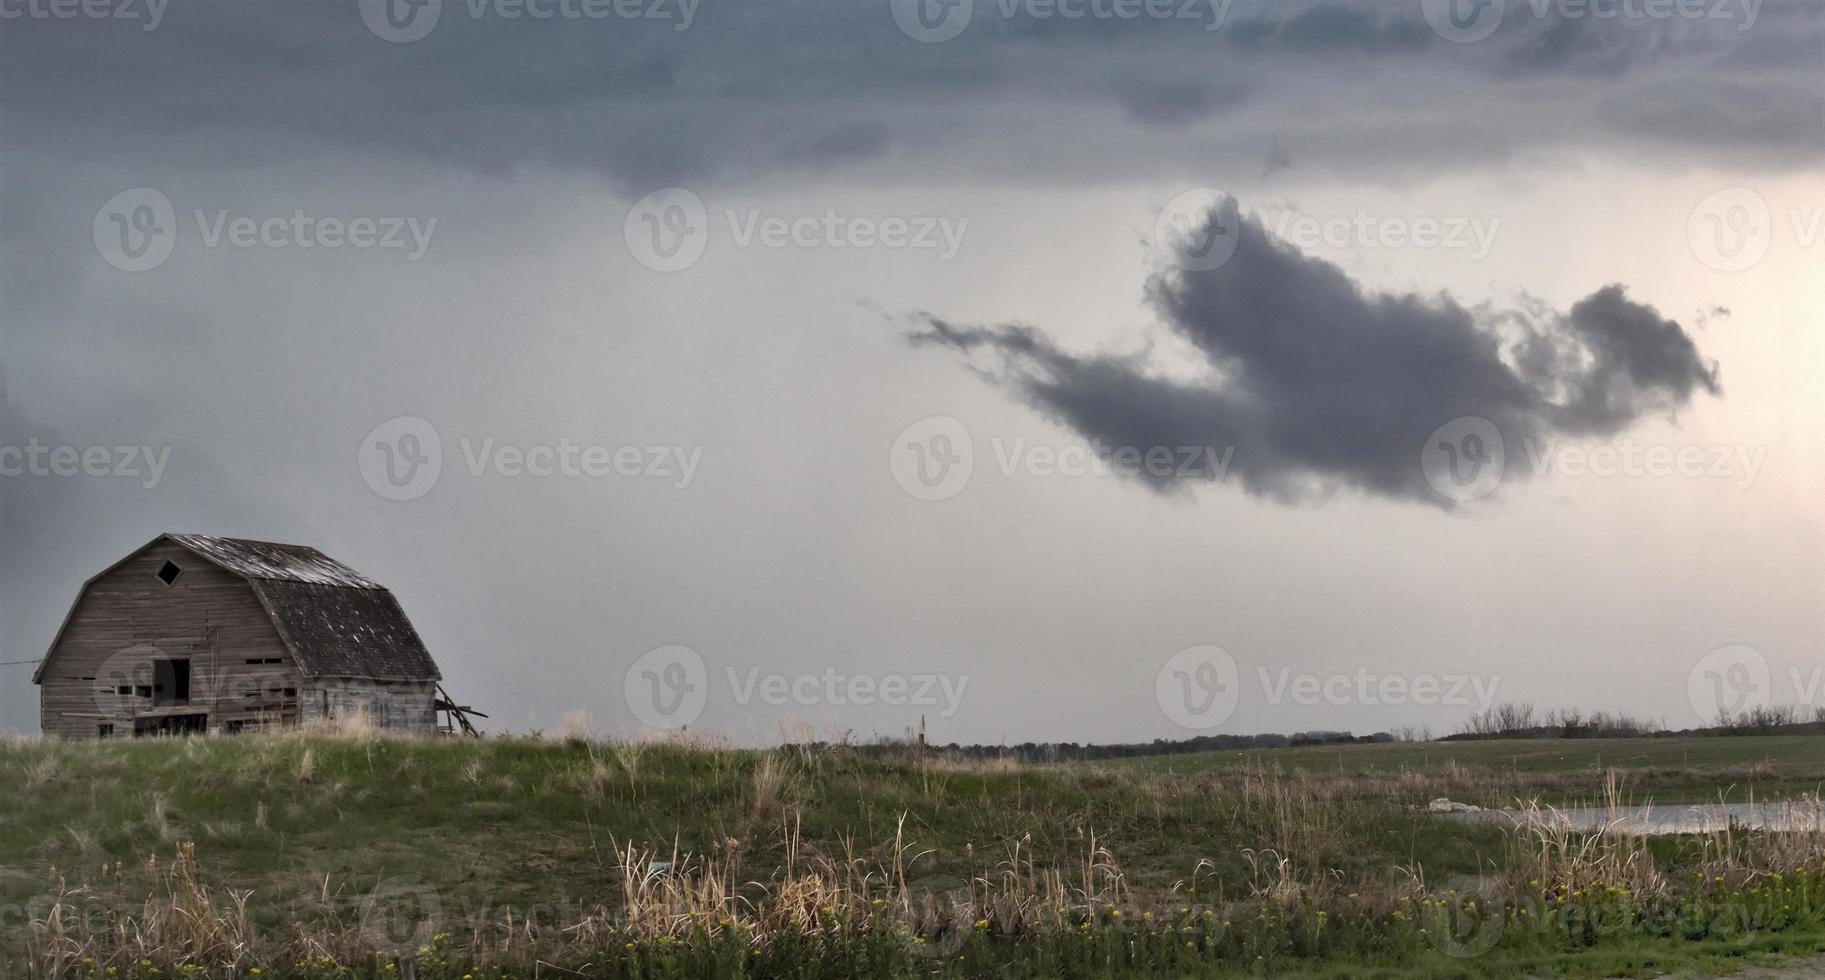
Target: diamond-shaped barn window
x,y
169,573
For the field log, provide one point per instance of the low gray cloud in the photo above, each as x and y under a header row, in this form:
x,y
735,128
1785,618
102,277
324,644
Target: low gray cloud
x,y
1332,27
763,87
1321,384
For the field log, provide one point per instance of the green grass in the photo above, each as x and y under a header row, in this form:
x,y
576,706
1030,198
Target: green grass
x,y
523,825
308,824
1672,770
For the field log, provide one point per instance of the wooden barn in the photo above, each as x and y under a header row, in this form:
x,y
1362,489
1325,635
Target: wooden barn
x,y
193,633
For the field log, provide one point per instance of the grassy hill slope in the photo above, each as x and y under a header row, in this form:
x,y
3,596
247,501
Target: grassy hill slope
x,y
325,831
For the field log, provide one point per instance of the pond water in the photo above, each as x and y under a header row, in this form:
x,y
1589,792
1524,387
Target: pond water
x,y
1668,818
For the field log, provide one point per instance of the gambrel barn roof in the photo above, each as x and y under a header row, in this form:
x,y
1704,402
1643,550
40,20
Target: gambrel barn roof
x,y
335,621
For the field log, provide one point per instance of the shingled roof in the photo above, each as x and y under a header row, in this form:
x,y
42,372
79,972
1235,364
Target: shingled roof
x,y
335,621
275,562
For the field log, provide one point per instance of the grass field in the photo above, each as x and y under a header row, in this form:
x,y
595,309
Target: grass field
x,y
619,859
1672,770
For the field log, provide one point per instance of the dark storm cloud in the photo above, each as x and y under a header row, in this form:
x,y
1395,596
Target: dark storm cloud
x,y
755,87
1321,385
1178,102
1329,27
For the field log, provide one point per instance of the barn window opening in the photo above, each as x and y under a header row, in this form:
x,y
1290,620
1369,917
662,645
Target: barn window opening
x,y
124,690
104,731
142,690
169,572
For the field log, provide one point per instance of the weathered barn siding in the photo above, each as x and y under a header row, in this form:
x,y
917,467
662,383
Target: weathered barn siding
x,y
399,706
128,617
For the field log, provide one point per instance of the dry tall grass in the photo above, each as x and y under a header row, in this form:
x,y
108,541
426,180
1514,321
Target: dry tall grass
x,y
1616,854
577,729
179,919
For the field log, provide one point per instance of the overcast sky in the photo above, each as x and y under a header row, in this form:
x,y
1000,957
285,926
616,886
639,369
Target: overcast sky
x,y
1085,370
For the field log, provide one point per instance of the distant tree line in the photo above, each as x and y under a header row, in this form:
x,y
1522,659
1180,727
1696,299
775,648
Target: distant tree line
x,y
1520,720
1080,752
1502,721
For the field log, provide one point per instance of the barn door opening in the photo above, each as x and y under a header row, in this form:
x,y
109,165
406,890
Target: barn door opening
x,y
170,682
170,725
